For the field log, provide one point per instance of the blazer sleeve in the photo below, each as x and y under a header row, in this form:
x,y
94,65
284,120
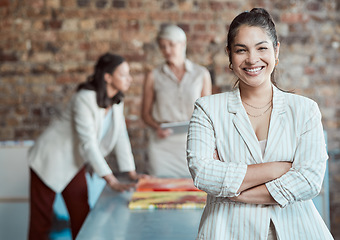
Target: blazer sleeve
x,y
217,178
122,149
86,131
304,180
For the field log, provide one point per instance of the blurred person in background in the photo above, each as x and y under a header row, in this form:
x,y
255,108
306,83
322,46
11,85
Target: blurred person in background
x,y
91,126
170,91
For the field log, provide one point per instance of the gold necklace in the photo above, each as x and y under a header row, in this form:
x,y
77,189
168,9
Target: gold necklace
x,y
255,116
257,107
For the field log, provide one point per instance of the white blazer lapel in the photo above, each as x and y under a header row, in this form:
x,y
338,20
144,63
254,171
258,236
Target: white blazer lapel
x,y
277,124
243,125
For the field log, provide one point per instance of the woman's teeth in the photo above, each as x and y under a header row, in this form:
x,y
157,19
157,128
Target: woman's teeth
x,y
253,69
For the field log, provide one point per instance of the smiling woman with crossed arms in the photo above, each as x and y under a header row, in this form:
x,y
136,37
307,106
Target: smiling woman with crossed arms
x,y
258,151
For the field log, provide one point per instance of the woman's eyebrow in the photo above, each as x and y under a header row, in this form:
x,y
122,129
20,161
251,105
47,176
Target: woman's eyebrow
x,y
240,45
261,43
244,46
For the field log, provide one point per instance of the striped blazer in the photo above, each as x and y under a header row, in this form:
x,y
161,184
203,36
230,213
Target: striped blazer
x,y
220,122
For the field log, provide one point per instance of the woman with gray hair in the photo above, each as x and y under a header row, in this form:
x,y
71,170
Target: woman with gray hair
x,y
170,91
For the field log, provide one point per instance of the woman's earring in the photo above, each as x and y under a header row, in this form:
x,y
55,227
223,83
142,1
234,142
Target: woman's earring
x,y
231,66
276,62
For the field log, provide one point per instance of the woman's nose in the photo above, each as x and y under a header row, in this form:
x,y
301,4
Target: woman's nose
x,y
166,49
252,58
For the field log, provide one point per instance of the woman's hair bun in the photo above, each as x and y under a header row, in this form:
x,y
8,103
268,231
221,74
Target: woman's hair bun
x,y
261,11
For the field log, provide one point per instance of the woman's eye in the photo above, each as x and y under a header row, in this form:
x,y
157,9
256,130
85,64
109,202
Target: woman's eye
x,y
263,48
240,50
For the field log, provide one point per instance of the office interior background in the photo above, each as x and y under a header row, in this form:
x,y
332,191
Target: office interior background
x,y
48,47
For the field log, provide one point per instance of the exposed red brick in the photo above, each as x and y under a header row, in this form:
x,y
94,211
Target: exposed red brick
x,y
119,3
184,26
309,70
83,3
292,18
199,27
64,78
104,24
68,3
216,5
36,4
133,24
7,57
313,6
102,3
198,16
4,3
164,16
136,4
168,4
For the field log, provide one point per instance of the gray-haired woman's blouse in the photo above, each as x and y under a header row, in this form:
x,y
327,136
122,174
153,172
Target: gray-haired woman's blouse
x,y
174,102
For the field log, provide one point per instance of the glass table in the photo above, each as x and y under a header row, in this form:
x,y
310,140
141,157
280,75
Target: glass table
x,y
112,219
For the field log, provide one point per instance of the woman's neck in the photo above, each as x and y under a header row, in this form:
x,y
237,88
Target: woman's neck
x,y
111,92
177,63
177,68
258,96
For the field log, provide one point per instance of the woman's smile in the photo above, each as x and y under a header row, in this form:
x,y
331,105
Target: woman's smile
x,y
254,71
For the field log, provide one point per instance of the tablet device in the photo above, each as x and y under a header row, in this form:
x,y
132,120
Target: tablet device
x,y
176,127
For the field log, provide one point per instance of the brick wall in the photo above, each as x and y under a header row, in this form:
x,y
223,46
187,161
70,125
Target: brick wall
x,y
47,47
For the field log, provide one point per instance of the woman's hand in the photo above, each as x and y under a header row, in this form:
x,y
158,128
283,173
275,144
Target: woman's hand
x,y
121,187
133,175
163,133
113,182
